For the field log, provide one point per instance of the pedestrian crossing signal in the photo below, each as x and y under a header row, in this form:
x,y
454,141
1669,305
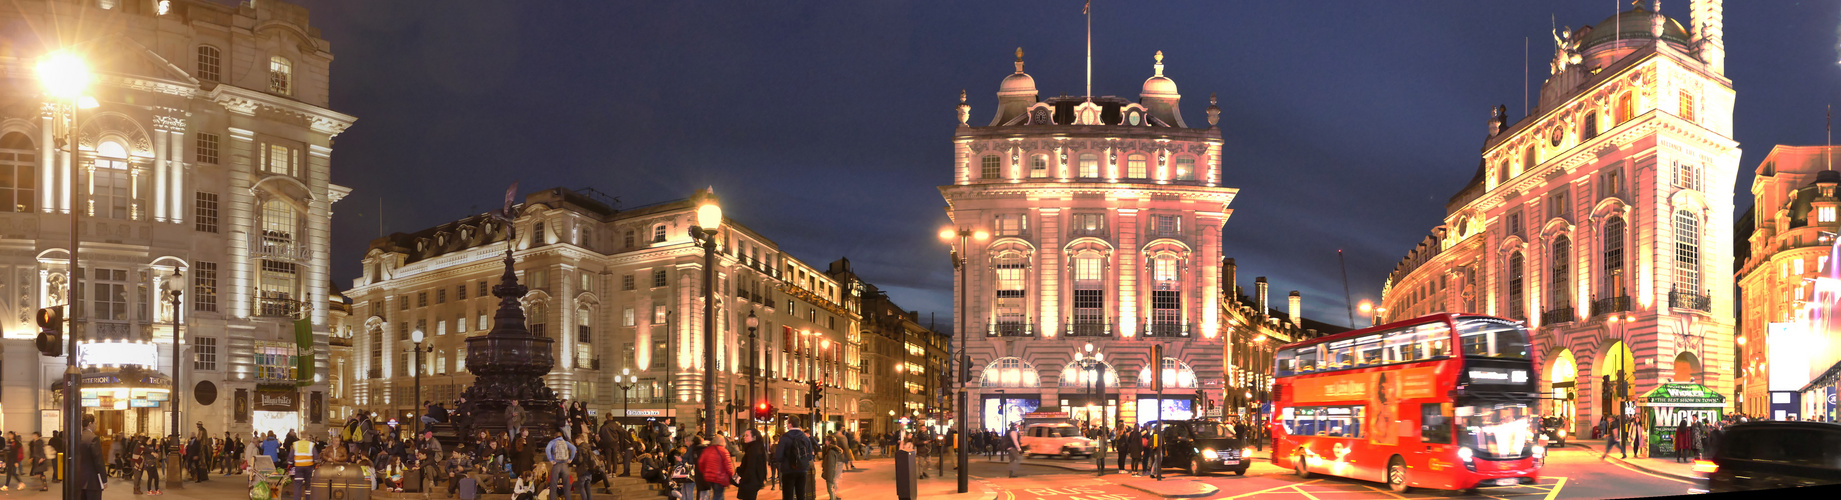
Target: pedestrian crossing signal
x,y
51,331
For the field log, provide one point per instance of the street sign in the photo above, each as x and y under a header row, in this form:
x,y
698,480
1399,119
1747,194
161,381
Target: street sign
x,y
1212,412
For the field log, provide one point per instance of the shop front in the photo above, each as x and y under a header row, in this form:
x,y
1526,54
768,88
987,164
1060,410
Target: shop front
x,y
129,400
1001,410
276,409
1164,407
1100,411
1673,404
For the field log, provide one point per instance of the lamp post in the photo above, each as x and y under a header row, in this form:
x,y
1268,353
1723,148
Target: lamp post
x,y
417,337
754,366
64,77
175,287
625,381
709,221
958,262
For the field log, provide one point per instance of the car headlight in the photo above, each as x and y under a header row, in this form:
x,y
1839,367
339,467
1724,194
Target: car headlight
x,y
1464,454
1211,455
1562,433
1246,452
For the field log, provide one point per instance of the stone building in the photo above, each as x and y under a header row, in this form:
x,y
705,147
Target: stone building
x,y
904,362
1254,332
1601,218
1104,218
624,288
204,166
1787,239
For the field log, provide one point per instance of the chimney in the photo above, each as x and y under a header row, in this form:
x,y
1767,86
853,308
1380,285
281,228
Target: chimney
x,y
1230,283
1297,308
1259,294
1709,31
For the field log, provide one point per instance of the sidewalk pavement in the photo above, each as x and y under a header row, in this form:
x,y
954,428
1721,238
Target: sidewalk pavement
x,y
1660,466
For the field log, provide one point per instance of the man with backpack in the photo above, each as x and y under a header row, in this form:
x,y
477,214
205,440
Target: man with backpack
x,y
561,453
795,458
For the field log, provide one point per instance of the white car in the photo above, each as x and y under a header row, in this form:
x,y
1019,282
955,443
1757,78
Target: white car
x,y
1064,440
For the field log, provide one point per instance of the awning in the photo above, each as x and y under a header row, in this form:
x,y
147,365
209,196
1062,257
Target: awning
x,y
120,379
1688,395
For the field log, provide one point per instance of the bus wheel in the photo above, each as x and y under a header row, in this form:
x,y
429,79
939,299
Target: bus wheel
x,y
1297,465
1396,475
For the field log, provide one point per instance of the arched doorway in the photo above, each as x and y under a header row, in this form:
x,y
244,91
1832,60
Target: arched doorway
x,y
1090,391
1614,372
1687,368
1011,388
1562,377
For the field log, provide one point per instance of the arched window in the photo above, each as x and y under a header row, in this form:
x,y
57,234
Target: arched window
x,y
1176,375
1626,108
208,58
109,196
280,75
1010,372
1038,166
1087,374
1613,258
658,233
536,318
1559,296
1515,287
1134,167
279,224
1528,160
18,174
1185,168
1089,166
1502,172
1687,252
990,168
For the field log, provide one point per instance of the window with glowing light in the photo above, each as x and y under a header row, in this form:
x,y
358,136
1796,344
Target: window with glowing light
x,y
1626,108
110,183
1686,174
658,234
1687,252
1185,168
1038,166
1825,214
1089,297
1089,166
1685,108
1559,297
1088,223
1134,167
1515,287
1011,224
1613,261
18,174
1528,159
280,75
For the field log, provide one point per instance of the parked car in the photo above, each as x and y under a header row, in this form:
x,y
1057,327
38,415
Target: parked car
x,y
1062,439
1772,455
1554,428
1200,446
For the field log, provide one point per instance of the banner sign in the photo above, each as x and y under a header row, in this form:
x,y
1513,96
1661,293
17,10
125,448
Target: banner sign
x,y
1408,383
645,413
267,400
116,353
1682,395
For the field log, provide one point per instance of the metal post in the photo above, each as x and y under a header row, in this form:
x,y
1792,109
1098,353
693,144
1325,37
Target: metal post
x,y
963,416
754,367
175,399
73,422
709,333
415,402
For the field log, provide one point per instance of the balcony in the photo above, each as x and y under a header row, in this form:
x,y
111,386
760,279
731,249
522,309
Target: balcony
x,y
1690,301
1010,329
1610,305
588,364
274,246
1167,329
1088,329
374,373
271,305
105,330
1557,316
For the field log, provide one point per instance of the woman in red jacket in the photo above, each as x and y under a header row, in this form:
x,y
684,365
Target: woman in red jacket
x,y
716,467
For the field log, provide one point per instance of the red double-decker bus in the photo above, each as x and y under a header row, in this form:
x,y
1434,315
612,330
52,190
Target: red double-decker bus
x,y
1445,401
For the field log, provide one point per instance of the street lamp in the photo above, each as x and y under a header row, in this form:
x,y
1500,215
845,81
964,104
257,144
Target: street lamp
x,y
174,288
417,337
625,381
958,262
64,77
754,365
709,220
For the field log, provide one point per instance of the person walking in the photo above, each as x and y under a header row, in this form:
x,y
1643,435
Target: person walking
x,y
754,465
1683,434
514,418
41,460
1127,445
15,453
1013,444
1155,461
717,468
302,451
90,475
795,458
151,459
1612,437
560,453
834,457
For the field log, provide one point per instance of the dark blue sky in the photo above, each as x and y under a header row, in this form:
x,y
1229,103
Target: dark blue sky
x,y
826,125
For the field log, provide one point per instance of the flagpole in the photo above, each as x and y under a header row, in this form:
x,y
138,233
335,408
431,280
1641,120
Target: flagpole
x,y
1088,10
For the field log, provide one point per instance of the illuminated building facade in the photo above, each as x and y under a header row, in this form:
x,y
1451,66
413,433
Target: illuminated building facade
x,y
1253,332
1104,218
1787,341
624,289
904,362
205,167
1591,218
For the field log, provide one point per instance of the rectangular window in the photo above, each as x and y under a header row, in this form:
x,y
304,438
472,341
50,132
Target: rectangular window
x,y
1167,225
18,179
1038,166
626,282
204,286
441,296
1134,167
990,168
483,322
421,299
109,295
280,160
1556,204
1685,107
658,278
658,314
1435,423
1514,223
1687,175
1611,184
460,292
460,324
280,75
206,146
1011,224
441,327
484,290
1089,166
403,303
1089,223
1825,214
110,191
1185,168
626,317
587,282
209,63
204,353
539,278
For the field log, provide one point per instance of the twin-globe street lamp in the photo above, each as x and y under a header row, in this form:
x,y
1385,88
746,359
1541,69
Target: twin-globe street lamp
x,y
709,221
625,381
65,76
417,411
958,262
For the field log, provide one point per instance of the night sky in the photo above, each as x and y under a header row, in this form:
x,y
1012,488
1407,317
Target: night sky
x,y
826,126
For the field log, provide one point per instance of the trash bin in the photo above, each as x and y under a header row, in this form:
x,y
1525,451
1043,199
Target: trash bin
x,y
341,482
907,476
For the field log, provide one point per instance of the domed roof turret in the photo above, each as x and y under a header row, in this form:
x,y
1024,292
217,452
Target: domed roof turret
x,y
1634,24
1158,85
1018,84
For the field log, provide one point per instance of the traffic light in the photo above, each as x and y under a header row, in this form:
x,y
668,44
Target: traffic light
x,y
51,331
818,393
763,411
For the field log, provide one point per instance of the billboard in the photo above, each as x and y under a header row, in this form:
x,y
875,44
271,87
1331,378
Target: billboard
x,y
1790,349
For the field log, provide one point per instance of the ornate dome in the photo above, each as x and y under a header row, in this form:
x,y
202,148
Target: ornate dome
x,y
1634,24
1018,84
1159,85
